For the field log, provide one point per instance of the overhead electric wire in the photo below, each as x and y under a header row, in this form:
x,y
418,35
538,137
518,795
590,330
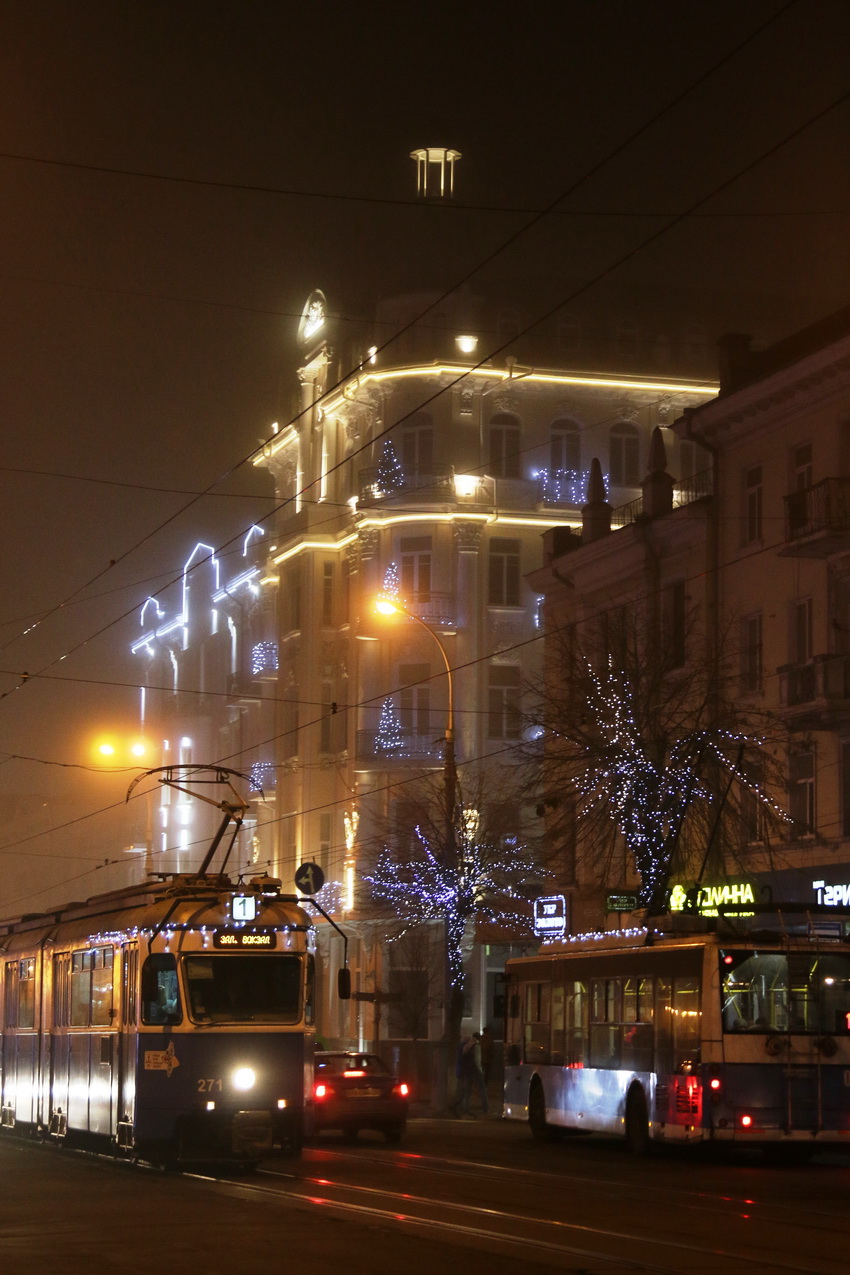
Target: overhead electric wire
x,y
491,256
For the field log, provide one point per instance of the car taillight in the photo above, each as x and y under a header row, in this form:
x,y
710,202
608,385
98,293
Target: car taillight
x,y
746,1122
401,1089
321,1091
714,1083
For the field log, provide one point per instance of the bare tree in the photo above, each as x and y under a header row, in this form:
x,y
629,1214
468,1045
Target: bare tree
x,y
478,869
646,751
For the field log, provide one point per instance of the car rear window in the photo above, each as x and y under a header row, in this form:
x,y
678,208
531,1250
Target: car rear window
x,y
336,1064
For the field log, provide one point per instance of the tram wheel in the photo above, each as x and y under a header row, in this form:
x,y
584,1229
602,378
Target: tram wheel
x,y
637,1121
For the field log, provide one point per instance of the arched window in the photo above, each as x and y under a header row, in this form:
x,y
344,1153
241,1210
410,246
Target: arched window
x,y
503,438
564,447
624,455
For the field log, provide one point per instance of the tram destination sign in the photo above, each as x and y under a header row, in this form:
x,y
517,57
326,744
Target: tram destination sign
x,y
255,940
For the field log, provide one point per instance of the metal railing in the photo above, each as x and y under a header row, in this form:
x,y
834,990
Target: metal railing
x,y
823,507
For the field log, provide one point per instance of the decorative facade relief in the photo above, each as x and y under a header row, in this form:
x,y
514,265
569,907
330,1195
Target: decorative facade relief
x,y
468,536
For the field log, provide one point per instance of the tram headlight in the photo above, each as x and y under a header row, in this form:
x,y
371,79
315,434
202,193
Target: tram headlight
x,y
244,1078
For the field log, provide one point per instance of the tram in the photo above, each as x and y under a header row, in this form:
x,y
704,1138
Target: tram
x,y
172,1020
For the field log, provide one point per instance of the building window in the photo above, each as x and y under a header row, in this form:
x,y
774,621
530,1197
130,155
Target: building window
x,y
414,701
802,631
751,654
801,462
504,446
569,336
752,808
503,581
328,593
564,448
416,568
417,446
503,702
753,502
801,794
624,455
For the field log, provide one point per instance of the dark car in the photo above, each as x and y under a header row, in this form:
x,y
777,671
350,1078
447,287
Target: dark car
x,y
354,1091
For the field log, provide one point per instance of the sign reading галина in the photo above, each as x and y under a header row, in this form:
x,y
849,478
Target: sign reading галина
x,y
712,897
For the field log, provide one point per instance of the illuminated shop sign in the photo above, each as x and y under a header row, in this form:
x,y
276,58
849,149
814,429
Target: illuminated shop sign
x,y
710,898
550,916
832,896
230,940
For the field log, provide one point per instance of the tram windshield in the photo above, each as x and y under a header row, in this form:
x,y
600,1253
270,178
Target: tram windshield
x,y
243,989
786,992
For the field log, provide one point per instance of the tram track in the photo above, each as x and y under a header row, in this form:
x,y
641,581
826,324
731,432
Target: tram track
x,y
552,1241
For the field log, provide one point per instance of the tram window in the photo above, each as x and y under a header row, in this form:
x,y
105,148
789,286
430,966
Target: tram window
x,y
80,988
26,992
10,994
309,993
101,988
244,988
160,990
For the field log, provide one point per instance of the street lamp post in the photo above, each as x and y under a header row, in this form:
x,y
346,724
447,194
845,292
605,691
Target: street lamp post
x,y
389,606
453,1002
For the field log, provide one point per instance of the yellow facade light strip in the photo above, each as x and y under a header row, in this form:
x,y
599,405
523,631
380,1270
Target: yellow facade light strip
x,y
333,546
490,519
543,378
455,370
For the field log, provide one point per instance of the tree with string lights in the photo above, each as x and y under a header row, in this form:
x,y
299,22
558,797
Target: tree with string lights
x,y
644,759
485,874
390,472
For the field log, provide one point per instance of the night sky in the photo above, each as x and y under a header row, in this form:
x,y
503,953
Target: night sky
x,y
176,177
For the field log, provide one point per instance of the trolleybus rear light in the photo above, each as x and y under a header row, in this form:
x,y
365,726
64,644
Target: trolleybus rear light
x,y
714,1083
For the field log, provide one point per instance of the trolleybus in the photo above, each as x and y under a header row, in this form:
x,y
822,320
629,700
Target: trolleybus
x,y
725,1036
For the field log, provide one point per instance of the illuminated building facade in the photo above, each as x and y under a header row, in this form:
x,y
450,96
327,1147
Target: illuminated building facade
x,y
761,557
209,654
435,473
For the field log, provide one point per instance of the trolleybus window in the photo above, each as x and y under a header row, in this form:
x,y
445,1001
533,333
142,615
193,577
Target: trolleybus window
x,y
774,992
249,988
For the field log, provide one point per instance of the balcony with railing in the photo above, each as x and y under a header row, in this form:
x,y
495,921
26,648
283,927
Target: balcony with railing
x,y
684,493
427,749
817,520
435,485
816,695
